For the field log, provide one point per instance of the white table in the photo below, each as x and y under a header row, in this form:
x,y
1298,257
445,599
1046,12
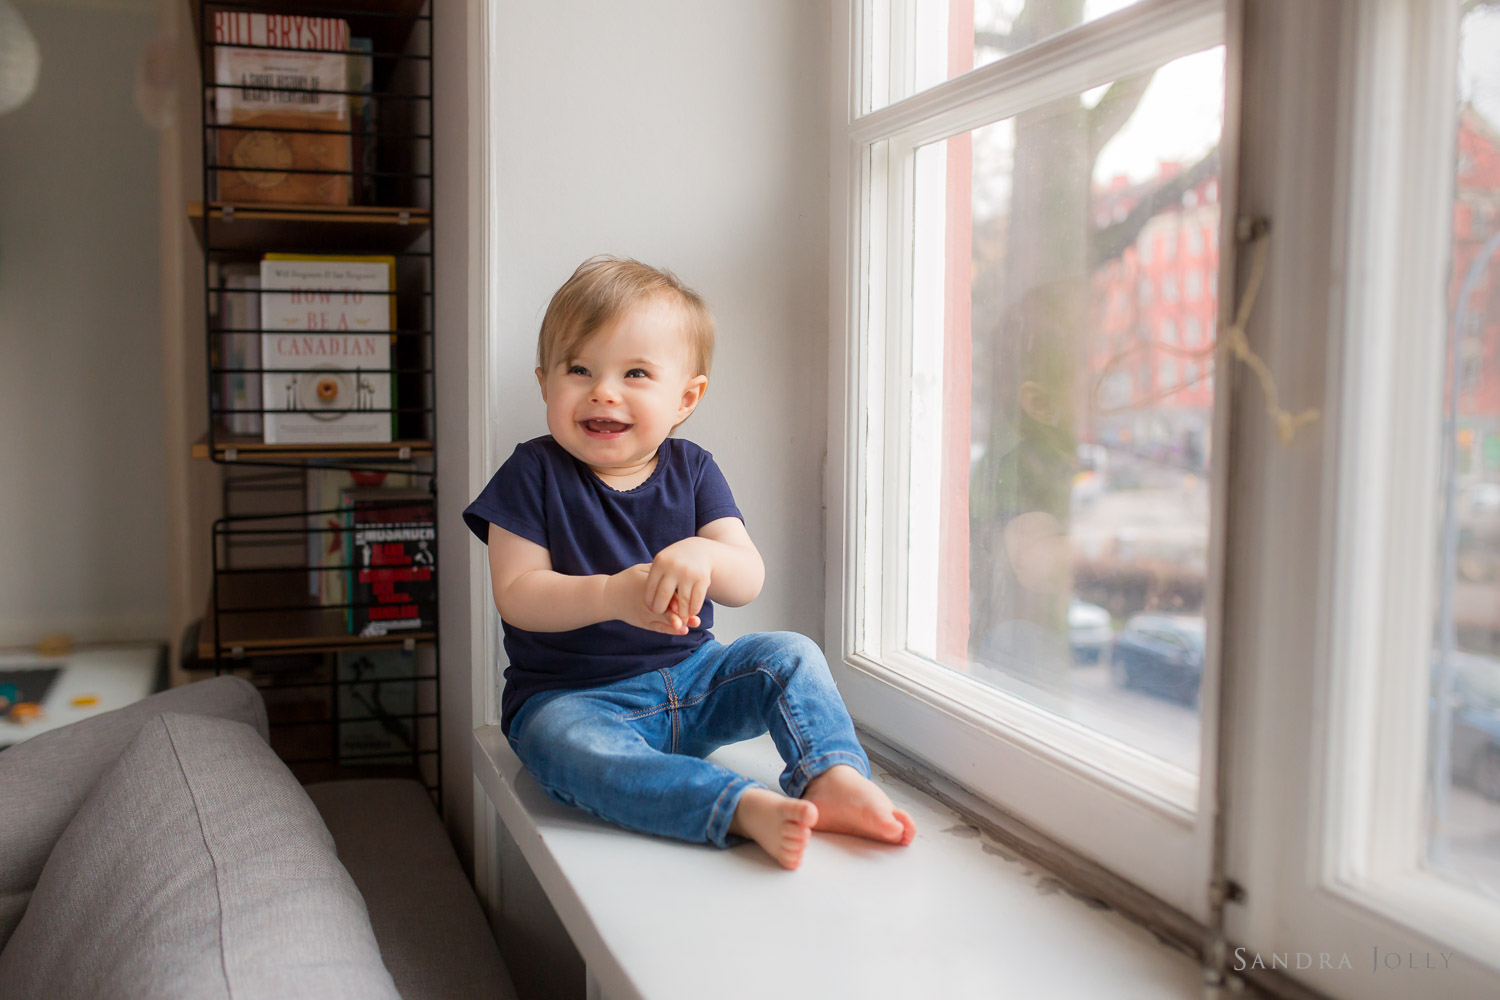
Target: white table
x,y
948,916
115,675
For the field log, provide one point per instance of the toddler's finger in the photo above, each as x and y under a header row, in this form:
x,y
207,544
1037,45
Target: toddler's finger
x,y
664,591
699,595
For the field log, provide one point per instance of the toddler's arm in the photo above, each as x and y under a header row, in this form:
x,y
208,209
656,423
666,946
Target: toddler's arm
x,y
529,594
720,563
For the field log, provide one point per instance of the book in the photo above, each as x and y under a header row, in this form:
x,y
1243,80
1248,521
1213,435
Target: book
x,y
239,353
328,320
393,554
263,92
327,549
362,114
377,696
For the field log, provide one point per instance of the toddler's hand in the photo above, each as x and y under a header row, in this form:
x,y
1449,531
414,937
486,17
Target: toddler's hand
x,y
681,572
625,592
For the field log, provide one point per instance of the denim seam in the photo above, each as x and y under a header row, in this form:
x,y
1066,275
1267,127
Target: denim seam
x,y
806,764
791,725
693,701
673,706
632,716
718,803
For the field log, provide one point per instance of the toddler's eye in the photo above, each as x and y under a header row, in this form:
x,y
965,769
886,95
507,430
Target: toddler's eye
x,y
577,370
637,373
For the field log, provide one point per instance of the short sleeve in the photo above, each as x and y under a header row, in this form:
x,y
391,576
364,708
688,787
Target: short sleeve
x,y
514,498
712,496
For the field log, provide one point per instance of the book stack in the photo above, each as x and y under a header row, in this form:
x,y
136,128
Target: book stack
x,y
327,348
327,544
288,104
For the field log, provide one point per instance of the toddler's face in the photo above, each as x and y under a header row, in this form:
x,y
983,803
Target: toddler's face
x,y
617,398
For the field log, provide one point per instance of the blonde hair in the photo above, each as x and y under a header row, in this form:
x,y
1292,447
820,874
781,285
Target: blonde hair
x,y
600,290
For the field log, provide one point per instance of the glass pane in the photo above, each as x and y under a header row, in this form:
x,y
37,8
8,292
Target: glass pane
x,y
950,37
1061,404
1464,816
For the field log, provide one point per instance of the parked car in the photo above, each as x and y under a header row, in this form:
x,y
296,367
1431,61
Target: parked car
x,y
1090,631
1479,532
1161,655
1476,723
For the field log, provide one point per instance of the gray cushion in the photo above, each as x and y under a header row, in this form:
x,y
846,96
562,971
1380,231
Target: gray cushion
x,y
433,935
44,779
196,868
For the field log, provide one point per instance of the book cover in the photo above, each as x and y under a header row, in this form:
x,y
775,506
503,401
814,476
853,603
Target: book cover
x,y
327,548
265,91
393,555
377,696
328,322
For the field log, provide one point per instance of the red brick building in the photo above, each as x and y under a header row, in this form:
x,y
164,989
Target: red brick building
x,y
1151,355
1476,222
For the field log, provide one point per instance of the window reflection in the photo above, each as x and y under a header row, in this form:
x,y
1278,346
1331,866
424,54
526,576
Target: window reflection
x,y
1464,827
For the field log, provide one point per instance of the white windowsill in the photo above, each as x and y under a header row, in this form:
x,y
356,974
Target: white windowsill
x,y
656,919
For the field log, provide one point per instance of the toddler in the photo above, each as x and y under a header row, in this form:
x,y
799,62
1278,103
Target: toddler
x,y
610,542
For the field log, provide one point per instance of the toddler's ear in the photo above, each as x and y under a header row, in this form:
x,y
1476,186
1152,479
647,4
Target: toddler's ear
x,y
541,380
692,395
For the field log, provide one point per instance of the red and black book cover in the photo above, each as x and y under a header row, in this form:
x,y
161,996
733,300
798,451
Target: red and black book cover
x,y
393,560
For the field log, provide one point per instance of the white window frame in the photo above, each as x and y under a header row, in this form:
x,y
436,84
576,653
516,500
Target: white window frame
x,y
1332,628
1137,815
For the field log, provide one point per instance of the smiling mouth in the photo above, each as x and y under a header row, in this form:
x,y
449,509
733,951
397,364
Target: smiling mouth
x,y
605,428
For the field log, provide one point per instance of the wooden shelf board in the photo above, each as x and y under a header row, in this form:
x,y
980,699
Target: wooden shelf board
x,y
256,226
308,628
253,448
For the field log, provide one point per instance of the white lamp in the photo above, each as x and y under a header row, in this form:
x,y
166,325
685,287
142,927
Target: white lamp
x,y
20,62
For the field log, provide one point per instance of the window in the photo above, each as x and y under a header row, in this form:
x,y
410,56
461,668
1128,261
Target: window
x,y
1169,288
1194,331
1168,330
999,564
918,31
1362,631
1193,284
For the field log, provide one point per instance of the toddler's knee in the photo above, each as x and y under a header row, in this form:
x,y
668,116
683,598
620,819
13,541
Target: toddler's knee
x,y
791,652
546,727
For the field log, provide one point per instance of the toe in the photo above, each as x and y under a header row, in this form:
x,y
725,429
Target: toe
x,y
908,828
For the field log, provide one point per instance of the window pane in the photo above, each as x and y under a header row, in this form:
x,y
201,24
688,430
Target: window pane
x,y
951,37
1059,493
1464,837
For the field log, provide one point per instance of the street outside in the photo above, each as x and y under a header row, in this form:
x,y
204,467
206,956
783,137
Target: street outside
x,y
1140,554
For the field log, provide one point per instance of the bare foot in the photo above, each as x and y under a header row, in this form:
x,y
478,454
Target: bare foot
x,y
780,825
848,802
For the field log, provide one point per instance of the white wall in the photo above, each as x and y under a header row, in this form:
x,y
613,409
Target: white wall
x,y
82,529
692,135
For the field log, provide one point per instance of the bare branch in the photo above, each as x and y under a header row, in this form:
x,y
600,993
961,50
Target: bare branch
x,y
993,40
1112,240
1114,110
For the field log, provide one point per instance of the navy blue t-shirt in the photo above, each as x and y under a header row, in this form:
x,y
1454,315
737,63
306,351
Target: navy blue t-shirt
x,y
544,494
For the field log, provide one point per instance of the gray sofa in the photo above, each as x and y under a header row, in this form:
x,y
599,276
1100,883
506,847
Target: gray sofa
x,y
163,851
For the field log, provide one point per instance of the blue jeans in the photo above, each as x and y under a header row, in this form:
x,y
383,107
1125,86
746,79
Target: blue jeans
x,y
631,752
